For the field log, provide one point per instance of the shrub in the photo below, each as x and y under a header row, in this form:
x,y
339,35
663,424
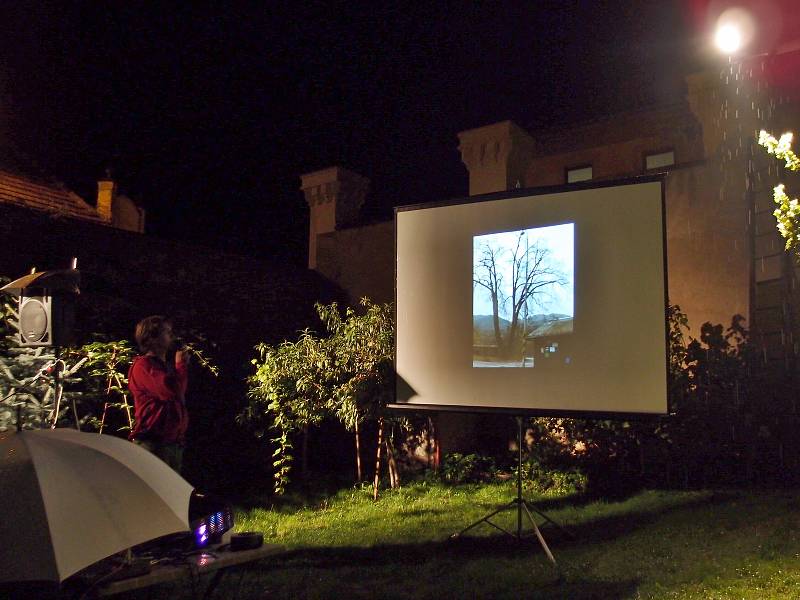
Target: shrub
x,y
467,468
546,481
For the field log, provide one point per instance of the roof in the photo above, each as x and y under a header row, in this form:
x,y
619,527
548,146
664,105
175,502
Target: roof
x,y
617,127
21,191
558,327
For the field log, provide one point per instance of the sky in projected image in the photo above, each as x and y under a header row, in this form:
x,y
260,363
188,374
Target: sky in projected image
x,y
543,254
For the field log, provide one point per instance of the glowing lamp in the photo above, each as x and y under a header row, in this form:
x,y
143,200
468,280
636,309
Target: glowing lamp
x,y
728,38
735,30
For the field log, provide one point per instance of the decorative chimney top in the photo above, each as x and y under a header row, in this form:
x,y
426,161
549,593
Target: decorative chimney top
x,y
106,190
335,196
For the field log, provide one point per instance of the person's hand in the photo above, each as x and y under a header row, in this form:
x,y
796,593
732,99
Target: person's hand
x,y
181,357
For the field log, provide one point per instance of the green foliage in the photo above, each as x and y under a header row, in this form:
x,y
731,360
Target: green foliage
x,y
458,468
788,212
547,481
107,364
361,350
196,350
537,477
287,393
781,149
347,375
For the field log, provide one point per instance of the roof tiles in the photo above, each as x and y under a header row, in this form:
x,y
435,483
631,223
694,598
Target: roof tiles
x,y
21,191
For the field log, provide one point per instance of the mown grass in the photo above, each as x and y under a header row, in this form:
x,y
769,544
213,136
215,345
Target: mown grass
x,y
655,544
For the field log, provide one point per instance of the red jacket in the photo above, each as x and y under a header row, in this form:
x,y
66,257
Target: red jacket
x,y
158,400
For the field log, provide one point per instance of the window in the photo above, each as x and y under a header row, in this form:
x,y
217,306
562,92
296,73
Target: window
x,y
659,160
579,174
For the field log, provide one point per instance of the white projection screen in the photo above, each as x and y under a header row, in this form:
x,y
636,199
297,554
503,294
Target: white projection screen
x,y
548,301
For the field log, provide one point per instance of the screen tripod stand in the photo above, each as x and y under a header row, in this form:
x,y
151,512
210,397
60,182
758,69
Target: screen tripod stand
x,y
521,505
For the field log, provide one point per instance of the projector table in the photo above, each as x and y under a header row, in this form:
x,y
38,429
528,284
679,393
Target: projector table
x,y
193,566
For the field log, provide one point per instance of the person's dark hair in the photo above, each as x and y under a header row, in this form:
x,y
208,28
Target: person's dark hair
x,y
148,330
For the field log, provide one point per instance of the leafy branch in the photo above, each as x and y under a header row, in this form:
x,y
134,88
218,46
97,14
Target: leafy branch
x,y
346,374
788,212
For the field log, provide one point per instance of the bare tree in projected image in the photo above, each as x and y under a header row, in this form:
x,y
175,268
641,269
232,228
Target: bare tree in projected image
x,y
531,271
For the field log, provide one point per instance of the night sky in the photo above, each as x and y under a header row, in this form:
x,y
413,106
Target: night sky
x,y
207,117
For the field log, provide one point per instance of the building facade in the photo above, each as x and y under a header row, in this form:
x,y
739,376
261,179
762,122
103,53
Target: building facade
x,y
724,254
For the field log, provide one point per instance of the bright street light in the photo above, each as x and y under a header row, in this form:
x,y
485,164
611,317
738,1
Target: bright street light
x,y
728,38
735,30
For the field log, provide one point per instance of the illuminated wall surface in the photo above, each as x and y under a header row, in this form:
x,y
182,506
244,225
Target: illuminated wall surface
x,y
549,302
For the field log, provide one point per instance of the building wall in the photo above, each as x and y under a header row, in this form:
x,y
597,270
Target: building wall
x,y
707,220
360,260
615,147
708,215
708,248
733,105
724,256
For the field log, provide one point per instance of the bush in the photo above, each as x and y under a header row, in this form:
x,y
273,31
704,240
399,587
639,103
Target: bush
x,y
551,482
467,468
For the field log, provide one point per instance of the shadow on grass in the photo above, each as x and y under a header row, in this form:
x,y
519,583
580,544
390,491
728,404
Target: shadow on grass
x,y
465,559
410,554
614,526
586,589
434,567
465,567
498,544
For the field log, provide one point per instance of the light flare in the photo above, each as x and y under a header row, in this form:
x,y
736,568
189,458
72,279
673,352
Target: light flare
x,y
734,31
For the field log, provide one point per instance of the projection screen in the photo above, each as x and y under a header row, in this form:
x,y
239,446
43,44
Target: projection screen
x,y
545,301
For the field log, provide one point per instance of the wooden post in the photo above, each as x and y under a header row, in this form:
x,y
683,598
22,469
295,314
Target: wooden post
x,y
103,419
378,459
394,474
125,403
304,464
359,474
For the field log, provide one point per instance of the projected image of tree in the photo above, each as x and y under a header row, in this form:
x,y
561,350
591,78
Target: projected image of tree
x,y
522,294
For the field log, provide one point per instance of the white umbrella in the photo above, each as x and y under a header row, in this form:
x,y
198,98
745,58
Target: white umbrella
x,y
69,499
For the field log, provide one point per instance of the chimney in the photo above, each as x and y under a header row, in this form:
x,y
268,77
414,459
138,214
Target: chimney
x,y
334,196
496,156
106,191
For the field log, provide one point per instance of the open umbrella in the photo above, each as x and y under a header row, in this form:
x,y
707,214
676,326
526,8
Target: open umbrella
x,y
69,499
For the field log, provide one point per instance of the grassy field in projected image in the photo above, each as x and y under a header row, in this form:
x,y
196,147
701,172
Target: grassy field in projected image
x,y
655,544
523,287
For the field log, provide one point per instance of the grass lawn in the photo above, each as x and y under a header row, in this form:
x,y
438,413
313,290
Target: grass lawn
x,y
656,544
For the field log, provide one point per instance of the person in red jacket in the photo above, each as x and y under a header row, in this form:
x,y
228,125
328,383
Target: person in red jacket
x,y
159,391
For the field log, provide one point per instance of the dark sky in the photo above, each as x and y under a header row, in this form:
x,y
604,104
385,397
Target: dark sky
x,y
208,116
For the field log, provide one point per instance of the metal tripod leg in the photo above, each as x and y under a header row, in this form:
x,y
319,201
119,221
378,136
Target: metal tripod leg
x,y
520,504
531,507
539,534
486,519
